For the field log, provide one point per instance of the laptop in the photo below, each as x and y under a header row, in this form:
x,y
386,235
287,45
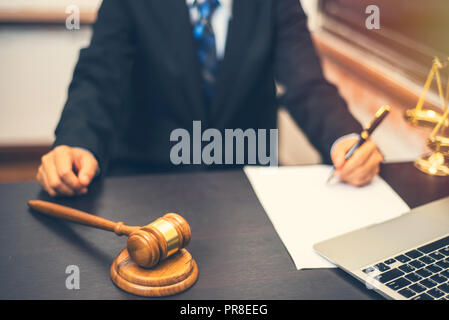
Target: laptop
x,y
405,258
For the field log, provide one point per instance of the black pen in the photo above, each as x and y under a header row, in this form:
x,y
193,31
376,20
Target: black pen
x,y
365,134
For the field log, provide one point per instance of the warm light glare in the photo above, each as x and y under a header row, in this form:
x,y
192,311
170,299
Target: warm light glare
x,y
431,113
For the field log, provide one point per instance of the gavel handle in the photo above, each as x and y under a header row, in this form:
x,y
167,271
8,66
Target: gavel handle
x,y
63,212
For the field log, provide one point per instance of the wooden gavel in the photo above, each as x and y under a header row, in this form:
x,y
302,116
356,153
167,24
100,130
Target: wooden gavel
x,y
147,245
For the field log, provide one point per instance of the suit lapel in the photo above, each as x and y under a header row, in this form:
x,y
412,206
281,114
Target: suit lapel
x,y
232,67
177,19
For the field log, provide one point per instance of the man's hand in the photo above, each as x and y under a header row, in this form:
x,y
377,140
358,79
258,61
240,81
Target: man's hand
x,y
362,167
66,171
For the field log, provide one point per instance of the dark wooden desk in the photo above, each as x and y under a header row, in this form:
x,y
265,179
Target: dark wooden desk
x,y
238,252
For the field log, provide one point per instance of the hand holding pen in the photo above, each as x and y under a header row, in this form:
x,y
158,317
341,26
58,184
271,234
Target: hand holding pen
x,y
356,160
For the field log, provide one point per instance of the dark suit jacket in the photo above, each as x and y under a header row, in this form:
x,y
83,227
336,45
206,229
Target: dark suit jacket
x,y
139,79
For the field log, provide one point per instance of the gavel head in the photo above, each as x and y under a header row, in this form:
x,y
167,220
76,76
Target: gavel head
x,y
158,240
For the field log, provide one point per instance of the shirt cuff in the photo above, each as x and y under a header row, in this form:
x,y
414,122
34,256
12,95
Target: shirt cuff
x,y
351,135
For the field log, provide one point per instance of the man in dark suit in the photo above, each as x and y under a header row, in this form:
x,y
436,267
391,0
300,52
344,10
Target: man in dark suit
x,y
154,66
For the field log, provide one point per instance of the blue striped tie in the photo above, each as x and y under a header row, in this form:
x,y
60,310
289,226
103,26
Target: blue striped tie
x,y
205,43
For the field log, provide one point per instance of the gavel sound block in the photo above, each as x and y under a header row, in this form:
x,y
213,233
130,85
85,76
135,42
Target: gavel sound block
x,y
154,263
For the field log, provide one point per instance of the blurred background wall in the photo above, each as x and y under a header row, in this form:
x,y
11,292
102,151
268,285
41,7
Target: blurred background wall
x,y
36,63
38,55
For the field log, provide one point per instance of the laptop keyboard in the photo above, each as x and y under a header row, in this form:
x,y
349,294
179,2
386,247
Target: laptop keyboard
x,y
419,274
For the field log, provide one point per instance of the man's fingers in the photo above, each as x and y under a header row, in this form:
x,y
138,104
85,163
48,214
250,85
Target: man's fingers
x,y
363,177
367,178
88,167
64,165
43,181
360,156
340,150
58,171
338,159
365,173
53,178
364,169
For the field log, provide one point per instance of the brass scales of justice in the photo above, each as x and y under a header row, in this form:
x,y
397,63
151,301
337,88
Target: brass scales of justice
x,y
437,162
154,264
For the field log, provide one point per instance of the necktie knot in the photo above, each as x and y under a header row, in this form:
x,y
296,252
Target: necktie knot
x,y
206,8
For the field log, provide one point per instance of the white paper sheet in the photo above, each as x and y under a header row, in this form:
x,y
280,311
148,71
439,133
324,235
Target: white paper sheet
x,y
305,210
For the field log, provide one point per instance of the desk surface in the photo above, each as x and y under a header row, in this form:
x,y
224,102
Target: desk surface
x,y
238,252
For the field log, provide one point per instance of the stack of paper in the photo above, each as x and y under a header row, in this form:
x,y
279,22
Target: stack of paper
x,y
305,210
